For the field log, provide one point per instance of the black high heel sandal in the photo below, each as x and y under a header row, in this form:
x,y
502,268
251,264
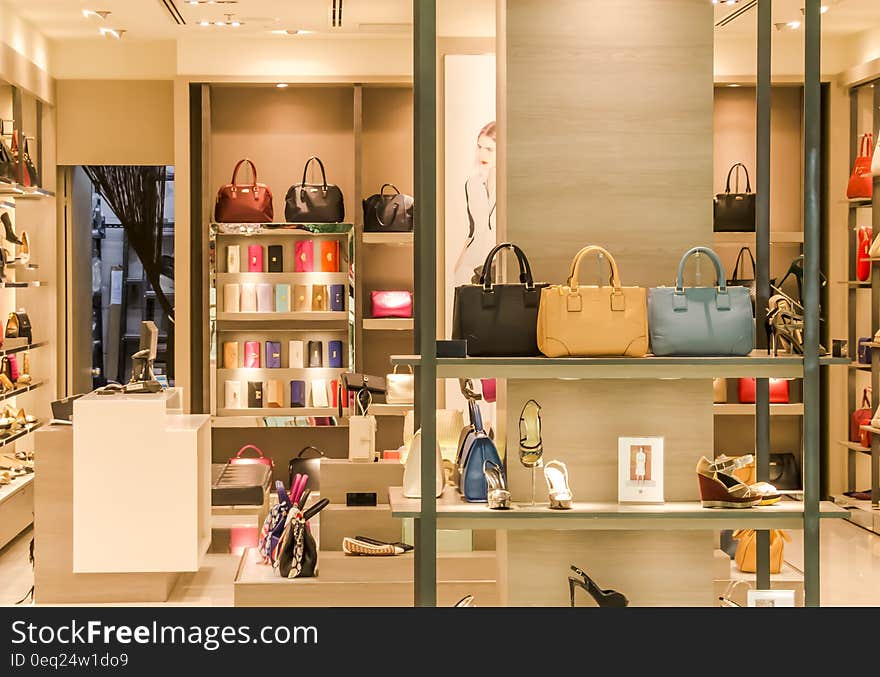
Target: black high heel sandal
x,y
610,599
7,225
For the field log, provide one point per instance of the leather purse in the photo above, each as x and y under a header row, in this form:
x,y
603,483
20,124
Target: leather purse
x,y
297,393
499,319
297,549
784,471
861,416
230,355
282,298
276,258
701,321
337,297
334,354
747,547
320,298
295,355
29,176
863,350
255,258
302,298
19,326
273,355
261,459
299,465
252,354
231,298
392,213
255,394
8,167
353,382
400,388
735,212
304,256
244,203
274,394
778,391
232,391
248,298
588,321
316,354
412,470
265,298
719,390
318,387
233,258
328,256
314,202
864,235
391,304
738,277
473,485
861,181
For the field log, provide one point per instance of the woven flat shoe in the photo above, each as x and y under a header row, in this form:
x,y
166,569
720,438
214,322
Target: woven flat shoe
x,y
352,546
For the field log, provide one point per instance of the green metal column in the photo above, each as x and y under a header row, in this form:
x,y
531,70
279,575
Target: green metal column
x,y
425,323
812,221
762,272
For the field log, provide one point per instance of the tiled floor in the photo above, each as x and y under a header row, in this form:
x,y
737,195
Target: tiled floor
x,y
850,570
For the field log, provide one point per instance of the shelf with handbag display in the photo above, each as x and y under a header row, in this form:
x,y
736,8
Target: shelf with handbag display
x,y
399,239
387,323
740,409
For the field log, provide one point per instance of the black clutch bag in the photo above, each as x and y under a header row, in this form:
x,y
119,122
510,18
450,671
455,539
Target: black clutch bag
x,y
735,212
316,354
276,258
255,394
499,319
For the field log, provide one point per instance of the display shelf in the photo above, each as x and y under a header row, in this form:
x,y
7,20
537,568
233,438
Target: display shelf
x,y
759,365
17,263
855,283
388,323
859,365
278,411
22,192
22,285
20,391
6,204
27,430
780,237
788,409
872,344
7,491
855,202
870,429
388,238
292,278
855,446
862,513
300,229
267,373
23,348
305,316
389,409
453,512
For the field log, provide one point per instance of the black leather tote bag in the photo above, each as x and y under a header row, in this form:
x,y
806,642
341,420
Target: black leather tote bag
x,y
392,213
499,319
735,212
739,276
8,167
314,202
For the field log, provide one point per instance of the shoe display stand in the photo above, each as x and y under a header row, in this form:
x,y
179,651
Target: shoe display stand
x,y
863,317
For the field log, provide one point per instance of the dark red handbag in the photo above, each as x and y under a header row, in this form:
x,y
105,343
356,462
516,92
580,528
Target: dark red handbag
x,y
778,391
238,459
861,181
244,202
860,417
863,257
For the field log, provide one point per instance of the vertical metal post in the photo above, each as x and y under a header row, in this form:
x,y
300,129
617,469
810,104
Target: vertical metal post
x,y
875,313
37,153
812,220
425,110
17,124
853,398
762,272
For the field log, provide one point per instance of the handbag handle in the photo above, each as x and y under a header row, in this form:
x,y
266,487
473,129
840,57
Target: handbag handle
x,y
305,449
866,400
382,195
733,169
388,185
359,403
409,366
314,158
720,281
572,281
238,166
315,509
741,262
283,498
475,415
525,270
867,140
249,446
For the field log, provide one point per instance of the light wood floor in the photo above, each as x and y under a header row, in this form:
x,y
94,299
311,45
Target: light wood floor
x,y
850,570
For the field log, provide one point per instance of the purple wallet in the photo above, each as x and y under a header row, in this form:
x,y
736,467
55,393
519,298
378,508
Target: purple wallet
x,y
335,353
273,354
265,298
337,297
297,393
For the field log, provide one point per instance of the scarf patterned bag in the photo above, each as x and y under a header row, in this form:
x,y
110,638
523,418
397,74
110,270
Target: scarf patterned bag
x,y
297,553
273,526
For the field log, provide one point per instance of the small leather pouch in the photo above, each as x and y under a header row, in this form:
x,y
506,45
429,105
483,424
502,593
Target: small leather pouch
x,y
255,395
319,393
391,304
297,393
255,258
233,258
274,394
265,298
304,256
328,252
334,354
295,355
273,355
231,298
276,258
230,355
282,298
252,354
248,298
320,297
316,354
337,297
233,394
302,298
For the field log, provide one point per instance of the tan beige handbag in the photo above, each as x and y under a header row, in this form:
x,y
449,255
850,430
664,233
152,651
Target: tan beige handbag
x,y
746,559
588,321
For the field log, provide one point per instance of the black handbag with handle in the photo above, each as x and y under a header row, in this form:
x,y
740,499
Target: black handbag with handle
x,y
735,212
8,167
738,276
392,213
784,471
499,319
306,466
314,202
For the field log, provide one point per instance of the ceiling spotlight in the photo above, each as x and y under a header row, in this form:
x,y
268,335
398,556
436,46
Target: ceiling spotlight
x,y
794,25
822,10
290,31
235,24
282,85
734,84
99,13
204,23
114,32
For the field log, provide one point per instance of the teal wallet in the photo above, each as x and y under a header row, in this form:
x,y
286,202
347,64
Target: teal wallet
x,y
282,298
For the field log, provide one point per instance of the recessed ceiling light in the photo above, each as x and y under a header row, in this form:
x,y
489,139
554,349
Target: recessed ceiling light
x,y
113,32
235,24
219,23
734,84
794,25
204,23
281,85
291,31
99,13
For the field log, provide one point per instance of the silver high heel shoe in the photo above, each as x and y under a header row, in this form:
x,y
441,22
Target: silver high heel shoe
x,y
556,475
498,495
531,446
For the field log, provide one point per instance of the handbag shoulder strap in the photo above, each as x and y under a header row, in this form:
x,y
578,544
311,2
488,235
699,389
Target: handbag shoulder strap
x,y
308,448
572,281
283,498
720,281
866,398
249,446
315,509
315,158
736,169
740,262
525,270
866,145
409,366
389,185
238,165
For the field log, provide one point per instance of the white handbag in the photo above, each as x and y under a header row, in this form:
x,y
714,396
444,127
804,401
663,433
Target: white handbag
x,y
361,434
400,388
412,472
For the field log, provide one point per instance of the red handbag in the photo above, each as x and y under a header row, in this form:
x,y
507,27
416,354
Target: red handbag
x,y
860,417
861,181
863,259
246,202
391,303
778,391
238,459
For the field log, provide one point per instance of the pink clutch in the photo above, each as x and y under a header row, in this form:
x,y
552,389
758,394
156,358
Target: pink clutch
x,y
304,259
252,354
391,303
255,258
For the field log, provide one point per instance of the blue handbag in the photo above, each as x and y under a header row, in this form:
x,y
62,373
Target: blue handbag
x,y
477,448
701,321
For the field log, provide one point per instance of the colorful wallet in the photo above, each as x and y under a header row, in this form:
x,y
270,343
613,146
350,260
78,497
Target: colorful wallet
x,y
233,394
334,356
276,258
328,256
302,298
265,298
232,298
248,298
255,394
274,394
255,258
230,355
391,304
297,393
304,251
319,393
233,258
273,354
295,356
282,298
337,297
316,354
320,297
252,354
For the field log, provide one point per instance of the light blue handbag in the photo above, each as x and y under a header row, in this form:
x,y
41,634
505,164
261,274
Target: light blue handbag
x,y
477,449
701,321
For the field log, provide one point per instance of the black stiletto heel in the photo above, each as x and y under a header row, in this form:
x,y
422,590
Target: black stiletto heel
x,y
610,599
7,225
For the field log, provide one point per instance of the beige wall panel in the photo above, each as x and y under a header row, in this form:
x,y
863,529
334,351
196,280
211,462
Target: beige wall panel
x,y
115,122
387,139
279,130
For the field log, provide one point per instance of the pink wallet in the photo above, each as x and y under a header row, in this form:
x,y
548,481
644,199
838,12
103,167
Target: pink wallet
x,y
304,258
255,258
252,354
391,303
265,298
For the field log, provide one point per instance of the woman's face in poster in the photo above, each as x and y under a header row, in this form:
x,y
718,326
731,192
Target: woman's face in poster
x,y
486,154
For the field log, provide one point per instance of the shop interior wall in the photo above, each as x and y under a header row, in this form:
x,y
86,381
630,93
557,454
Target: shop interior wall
x,y
579,64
